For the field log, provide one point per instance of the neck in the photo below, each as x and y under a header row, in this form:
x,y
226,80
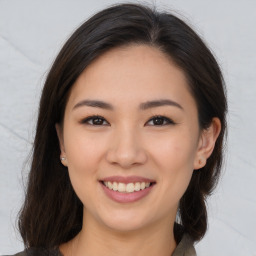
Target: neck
x,y
97,239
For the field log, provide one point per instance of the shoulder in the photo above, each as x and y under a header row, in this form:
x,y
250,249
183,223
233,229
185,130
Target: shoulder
x,y
185,247
17,254
37,252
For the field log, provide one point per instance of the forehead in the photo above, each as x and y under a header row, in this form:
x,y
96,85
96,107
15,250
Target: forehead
x,y
135,72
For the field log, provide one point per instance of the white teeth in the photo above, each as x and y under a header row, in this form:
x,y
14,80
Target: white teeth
x,y
121,187
115,186
137,186
130,188
109,185
126,188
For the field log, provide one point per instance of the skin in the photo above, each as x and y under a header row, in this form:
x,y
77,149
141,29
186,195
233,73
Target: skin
x,y
129,142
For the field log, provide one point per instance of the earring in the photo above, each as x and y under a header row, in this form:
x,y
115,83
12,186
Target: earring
x,y
62,158
201,160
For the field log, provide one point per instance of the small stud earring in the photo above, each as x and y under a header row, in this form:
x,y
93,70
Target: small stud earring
x,y
63,158
201,160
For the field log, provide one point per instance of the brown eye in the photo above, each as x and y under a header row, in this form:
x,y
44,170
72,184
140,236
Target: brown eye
x,y
95,120
160,121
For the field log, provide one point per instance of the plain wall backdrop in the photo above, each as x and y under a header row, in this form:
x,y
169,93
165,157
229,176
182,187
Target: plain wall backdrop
x,y
31,34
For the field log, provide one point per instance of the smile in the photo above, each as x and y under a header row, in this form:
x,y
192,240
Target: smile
x,y
126,188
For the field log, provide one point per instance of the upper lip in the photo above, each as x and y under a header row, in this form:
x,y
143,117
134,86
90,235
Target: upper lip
x,y
128,179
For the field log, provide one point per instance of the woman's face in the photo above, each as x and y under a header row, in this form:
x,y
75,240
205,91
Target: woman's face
x,y
144,140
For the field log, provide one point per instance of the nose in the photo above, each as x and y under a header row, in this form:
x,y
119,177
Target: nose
x,y
126,149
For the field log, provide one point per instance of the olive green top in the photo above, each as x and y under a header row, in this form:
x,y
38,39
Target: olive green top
x,y
184,248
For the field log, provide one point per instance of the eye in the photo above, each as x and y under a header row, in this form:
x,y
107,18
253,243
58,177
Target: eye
x,y
94,120
160,121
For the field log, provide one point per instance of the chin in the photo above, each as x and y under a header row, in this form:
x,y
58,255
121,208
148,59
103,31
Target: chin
x,y
125,221
125,226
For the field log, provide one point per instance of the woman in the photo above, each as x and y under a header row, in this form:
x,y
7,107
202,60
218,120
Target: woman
x,y
129,140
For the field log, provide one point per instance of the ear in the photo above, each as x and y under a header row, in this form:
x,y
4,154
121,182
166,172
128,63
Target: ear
x,y
206,143
59,131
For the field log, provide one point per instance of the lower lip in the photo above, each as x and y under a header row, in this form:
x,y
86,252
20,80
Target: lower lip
x,y
126,197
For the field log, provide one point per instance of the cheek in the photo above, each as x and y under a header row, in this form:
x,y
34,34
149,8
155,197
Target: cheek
x,y
175,158
177,165
83,155
83,158
174,151
83,152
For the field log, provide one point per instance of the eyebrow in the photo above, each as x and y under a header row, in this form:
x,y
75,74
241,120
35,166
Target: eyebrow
x,y
143,106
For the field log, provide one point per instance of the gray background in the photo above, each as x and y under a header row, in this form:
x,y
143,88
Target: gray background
x,y
31,34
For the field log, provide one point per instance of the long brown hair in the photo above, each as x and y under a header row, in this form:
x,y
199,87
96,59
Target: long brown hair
x,y
52,213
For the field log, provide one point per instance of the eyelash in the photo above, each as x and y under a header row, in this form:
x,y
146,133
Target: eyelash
x,y
167,121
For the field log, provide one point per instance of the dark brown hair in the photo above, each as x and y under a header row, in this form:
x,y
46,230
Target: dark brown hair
x,y
52,212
